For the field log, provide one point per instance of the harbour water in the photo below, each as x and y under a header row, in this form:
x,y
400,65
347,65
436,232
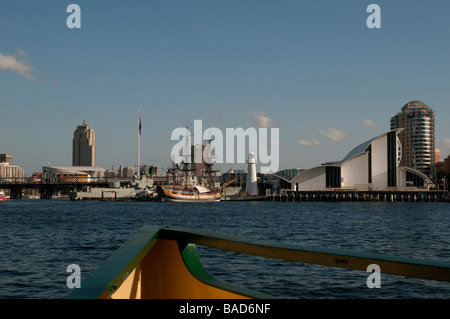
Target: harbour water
x,y
40,238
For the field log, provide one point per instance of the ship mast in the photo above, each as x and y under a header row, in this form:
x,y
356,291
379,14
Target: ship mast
x,y
139,146
209,164
187,157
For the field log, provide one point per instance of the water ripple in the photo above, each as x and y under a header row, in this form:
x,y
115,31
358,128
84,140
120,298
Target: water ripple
x,y
39,239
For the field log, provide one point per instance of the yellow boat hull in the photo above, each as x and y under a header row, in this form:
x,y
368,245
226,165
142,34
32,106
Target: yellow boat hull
x,y
162,274
163,263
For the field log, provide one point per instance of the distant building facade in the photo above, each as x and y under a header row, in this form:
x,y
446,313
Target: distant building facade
x,y
125,172
417,137
9,172
150,170
128,172
446,164
84,146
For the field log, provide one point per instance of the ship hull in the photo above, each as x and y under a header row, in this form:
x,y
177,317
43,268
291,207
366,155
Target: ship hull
x,y
104,194
169,195
189,200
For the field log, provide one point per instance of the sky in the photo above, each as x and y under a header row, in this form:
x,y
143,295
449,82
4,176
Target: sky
x,y
312,69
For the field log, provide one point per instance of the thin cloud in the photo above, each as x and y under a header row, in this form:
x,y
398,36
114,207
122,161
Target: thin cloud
x,y
261,120
310,143
445,142
17,64
368,124
334,134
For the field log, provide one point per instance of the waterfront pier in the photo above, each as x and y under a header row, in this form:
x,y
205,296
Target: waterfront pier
x,y
49,190
360,196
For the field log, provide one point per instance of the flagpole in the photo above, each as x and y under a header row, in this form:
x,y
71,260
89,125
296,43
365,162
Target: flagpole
x,y
139,146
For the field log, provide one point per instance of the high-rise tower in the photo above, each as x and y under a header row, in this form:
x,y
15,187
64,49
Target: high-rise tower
x,y
84,146
417,138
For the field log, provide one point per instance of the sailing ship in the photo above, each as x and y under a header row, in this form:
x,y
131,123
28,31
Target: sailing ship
x,y
184,186
188,194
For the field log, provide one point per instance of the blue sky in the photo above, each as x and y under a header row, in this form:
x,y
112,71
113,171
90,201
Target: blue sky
x,y
313,69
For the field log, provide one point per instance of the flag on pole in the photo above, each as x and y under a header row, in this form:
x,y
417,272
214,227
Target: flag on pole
x,y
139,122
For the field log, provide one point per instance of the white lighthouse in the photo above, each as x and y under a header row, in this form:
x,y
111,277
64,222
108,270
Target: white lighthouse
x,y
252,182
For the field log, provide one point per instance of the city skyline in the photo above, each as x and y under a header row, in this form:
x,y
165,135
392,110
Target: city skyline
x,y
314,70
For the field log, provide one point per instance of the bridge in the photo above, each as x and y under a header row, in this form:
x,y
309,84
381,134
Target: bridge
x,y
48,189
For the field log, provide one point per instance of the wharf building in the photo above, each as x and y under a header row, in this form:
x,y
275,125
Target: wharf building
x,y
417,137
84,146
374,165
72,174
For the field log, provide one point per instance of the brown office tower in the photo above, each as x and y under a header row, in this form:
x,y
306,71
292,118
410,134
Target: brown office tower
x,y
417,138
84,146
6,158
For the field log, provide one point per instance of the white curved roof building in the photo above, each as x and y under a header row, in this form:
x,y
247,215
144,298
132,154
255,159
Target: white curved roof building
x,y
372,165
